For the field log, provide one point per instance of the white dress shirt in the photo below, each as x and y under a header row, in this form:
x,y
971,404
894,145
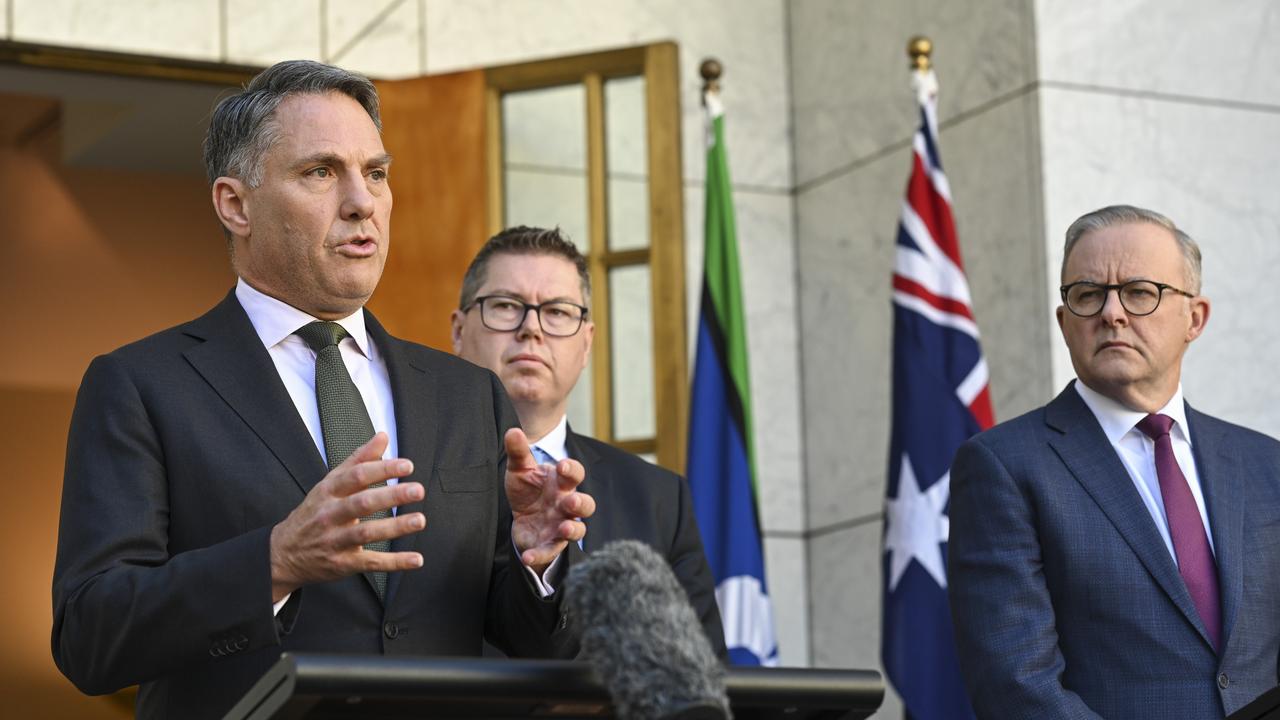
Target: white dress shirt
x,y
1137,453
275,322
553,443
295,361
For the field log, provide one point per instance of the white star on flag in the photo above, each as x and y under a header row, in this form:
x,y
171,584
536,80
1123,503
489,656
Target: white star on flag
x,y
917,526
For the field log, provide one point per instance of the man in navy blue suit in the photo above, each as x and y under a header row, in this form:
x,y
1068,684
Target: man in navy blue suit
x,y
1116,553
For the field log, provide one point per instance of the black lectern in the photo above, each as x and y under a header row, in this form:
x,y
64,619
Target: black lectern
x,y
343,687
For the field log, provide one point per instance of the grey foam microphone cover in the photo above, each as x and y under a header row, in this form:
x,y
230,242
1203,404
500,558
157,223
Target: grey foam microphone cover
x,y
643,638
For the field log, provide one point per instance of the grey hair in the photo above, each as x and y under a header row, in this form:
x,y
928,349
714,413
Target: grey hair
x,y
523,240
242,128
1113,215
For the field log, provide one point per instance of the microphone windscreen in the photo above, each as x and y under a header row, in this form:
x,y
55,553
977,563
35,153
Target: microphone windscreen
x,y
642,636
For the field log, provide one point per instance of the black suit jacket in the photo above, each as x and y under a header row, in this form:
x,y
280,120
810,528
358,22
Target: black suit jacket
x,y
185,449
636,500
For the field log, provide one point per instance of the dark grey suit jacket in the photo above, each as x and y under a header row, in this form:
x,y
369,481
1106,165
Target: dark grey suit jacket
x,y
1066,601
185,449
636,500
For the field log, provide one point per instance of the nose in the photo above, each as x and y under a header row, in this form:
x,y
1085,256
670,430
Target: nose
x,y
1113,312
357,201
531,325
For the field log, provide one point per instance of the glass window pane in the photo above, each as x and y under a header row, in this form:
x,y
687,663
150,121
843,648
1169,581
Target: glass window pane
x,y
631,351
544,160
626,149
580,410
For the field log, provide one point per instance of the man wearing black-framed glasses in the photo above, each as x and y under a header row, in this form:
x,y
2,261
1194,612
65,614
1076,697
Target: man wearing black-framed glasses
x,y
1116,553
523,313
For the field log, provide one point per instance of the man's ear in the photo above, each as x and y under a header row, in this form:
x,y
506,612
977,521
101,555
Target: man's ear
x,y
230,202
456,318
1199,317
590,329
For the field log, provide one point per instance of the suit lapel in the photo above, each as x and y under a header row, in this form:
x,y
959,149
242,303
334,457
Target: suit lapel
x,y
597,529
234,362
414,396
1088,454
1221,470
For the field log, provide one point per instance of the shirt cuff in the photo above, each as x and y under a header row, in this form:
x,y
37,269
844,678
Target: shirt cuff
x,y
544,586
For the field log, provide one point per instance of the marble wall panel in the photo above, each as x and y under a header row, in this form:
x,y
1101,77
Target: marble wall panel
x,y
1213,169
747,36
260,33
768,276
851,88
845,603
845,238
380,39
993,165
169,28
786,570
1222,51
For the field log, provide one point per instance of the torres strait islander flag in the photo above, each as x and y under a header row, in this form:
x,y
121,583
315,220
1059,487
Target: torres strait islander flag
x,y
721,466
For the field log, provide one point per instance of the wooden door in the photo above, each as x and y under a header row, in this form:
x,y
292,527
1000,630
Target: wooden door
x,y
434,128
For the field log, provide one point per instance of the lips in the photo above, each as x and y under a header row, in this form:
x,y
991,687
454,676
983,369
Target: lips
x,y
358,247
1114,345
525,358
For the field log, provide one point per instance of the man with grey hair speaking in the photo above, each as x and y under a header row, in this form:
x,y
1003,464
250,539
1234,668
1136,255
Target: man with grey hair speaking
x,y
1116,553
281,473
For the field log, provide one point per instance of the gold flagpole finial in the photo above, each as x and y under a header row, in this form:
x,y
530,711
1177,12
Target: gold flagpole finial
x,y
711,70
920,48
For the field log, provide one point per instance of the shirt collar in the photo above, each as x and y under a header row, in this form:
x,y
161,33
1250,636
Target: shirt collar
x,y
553,443
1117,420
275,320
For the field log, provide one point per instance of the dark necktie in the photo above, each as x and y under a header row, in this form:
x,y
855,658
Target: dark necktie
x,y
1190,543
344,421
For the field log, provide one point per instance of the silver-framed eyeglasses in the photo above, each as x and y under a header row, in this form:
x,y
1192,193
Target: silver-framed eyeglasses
x,y
1137,297
501,313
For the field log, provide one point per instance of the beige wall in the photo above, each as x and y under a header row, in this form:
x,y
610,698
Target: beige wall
x,y
89,251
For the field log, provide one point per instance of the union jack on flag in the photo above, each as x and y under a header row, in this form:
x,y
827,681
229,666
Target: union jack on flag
x,y
940,399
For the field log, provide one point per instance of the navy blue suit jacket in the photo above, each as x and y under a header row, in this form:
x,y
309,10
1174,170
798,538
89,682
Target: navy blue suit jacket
x,y
1066,601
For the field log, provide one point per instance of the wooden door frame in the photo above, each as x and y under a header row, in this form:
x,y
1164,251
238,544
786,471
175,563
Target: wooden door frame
x,y
659,65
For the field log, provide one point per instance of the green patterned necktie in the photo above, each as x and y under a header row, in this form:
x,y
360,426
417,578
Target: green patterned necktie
x,y
344,420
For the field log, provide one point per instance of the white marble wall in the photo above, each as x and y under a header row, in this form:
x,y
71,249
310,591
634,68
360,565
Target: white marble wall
x,y
1136,108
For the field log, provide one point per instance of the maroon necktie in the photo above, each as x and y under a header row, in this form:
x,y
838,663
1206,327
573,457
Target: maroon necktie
x,y
1190,543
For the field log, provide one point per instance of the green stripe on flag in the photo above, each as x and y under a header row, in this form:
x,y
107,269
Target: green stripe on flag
x,y
724,283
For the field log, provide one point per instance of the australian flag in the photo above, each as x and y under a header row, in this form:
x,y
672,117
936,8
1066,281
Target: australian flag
x,y
940,399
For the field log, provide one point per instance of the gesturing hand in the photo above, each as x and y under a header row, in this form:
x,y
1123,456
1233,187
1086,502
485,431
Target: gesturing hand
x,y
545,505
323,538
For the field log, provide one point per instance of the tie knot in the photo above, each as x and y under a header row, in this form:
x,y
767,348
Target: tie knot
x,y
1155,426
320,335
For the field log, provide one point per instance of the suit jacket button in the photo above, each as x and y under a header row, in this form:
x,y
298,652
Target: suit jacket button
x,y
391,630
1223,681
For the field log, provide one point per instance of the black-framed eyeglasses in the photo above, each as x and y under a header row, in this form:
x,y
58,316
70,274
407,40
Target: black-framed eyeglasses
x,y
501,313
1137,297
